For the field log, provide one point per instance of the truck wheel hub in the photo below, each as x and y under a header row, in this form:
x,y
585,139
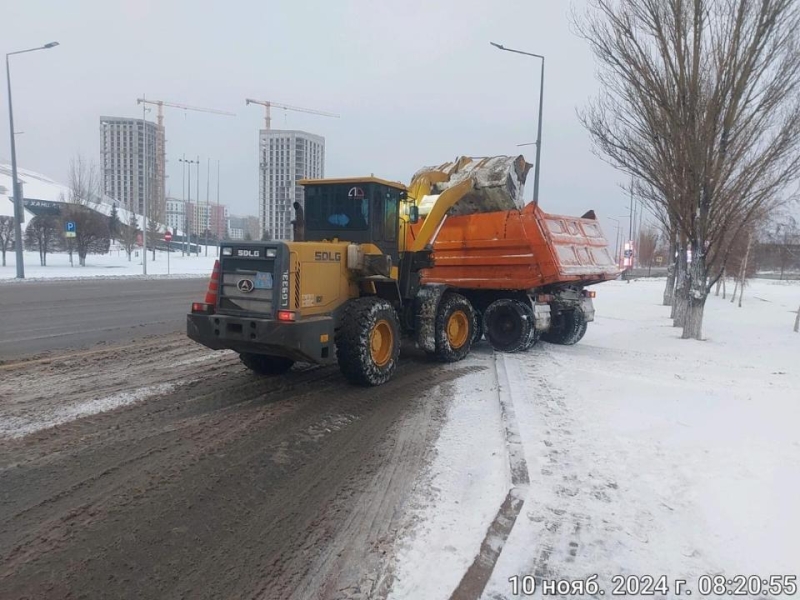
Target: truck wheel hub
x,y
381,343
457,329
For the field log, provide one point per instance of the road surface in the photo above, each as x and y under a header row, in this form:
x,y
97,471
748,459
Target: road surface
x,y
37,317
200,479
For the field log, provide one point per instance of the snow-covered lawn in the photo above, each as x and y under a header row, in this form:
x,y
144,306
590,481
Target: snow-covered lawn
x,y
647,454
113,264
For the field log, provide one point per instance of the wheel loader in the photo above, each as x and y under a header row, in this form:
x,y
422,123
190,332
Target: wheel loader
x,y
451,258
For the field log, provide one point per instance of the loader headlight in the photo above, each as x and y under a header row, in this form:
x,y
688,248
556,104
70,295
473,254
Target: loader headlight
x,y
272,252
227,252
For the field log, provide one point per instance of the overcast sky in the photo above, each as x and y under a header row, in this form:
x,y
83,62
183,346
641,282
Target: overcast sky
x,y
415,82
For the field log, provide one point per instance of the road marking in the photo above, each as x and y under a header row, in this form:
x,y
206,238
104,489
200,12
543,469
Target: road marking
x,y
477,576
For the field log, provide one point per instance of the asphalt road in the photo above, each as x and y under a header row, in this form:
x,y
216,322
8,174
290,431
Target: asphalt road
x,y
39,317
199,479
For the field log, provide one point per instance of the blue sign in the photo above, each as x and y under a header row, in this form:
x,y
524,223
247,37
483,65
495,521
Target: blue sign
x,y
69,226
263,281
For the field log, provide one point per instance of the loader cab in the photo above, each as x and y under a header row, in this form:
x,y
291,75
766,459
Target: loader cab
x,y
354,210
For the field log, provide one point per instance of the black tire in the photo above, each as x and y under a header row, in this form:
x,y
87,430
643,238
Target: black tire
x,y
508,325
368,341
534,337
266,365
567,328
454,330
478,328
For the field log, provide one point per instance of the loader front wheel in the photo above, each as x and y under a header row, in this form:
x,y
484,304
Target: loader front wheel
x,y
368,341
508,325
455,328
567,328
266,365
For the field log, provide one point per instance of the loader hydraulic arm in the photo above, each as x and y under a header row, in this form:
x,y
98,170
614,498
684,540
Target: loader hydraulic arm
x,y
438,213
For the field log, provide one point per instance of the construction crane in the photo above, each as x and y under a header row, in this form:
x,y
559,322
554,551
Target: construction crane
x,y
267,105
160,142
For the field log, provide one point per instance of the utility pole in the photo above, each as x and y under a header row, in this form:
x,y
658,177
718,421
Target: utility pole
x,y
144,190
208,206
539,126
16,192
219,236
183,195
197,253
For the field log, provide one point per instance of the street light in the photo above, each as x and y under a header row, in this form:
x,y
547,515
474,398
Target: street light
x,y
15,191
539,128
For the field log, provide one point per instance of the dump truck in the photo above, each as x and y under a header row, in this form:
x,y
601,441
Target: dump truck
x,y
452,258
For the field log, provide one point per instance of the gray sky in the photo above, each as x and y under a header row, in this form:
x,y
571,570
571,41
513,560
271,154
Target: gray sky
x,y
415,82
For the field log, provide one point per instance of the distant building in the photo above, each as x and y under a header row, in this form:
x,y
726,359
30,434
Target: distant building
x,y
241,228
197,218
285,156
175,215
128,150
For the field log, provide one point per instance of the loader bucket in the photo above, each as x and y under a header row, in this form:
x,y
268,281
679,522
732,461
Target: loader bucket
x,y
498,182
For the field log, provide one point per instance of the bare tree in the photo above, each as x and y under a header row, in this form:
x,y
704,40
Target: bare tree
x,y
6,235
43,233
647,245
129,234
92,235
154,219
700,103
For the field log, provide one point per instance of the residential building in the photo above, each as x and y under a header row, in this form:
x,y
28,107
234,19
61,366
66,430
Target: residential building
x,y
128,150
175,215
285,156
246,227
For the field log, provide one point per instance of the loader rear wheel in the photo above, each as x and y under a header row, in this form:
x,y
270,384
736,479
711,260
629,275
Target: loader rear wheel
x,y
368,341
455,328
266,365
508,325
567,328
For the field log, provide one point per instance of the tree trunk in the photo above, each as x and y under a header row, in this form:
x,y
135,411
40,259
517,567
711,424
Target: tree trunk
x,y
4,258
696,299
154,255
719,284
669,288
744,268
724,291
735,289
681,297
797,321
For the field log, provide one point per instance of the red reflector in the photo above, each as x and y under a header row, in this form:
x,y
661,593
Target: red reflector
x,y
545,298
589,294
202,307
286,315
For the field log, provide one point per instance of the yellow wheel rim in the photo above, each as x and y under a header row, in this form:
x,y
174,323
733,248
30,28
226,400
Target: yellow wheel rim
x,y
381,343
457,329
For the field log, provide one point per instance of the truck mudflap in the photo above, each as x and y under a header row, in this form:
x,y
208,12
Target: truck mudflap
x,y
587,307
310,340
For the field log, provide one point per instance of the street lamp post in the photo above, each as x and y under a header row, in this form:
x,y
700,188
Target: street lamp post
x,y
539,127
15,191
189,163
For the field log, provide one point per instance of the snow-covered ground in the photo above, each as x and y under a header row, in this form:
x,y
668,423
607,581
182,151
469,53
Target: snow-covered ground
x,y
114,264
647,454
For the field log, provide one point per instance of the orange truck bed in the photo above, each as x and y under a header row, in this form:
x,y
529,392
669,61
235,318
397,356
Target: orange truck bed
x,y
519,250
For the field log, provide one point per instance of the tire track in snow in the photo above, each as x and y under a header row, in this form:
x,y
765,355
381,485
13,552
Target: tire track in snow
x,y
477,576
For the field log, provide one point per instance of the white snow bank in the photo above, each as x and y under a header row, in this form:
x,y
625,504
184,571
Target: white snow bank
x,y
646,453
114,264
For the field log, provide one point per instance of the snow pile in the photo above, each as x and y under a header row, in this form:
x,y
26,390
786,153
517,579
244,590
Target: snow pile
x,y
113,264
646,453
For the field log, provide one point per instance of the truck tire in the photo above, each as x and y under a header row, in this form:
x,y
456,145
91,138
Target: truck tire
x,y
567,328
478,328
454,330
368,341
266,365
508,325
